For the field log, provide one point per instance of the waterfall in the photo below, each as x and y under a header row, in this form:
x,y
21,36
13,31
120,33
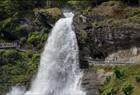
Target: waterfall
x,y
59,72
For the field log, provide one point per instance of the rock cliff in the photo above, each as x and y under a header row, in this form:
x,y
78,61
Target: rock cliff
x,y
100,42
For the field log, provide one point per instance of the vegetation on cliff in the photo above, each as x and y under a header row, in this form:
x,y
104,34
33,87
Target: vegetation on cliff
x,y
29,22
16,67
115,14
125,79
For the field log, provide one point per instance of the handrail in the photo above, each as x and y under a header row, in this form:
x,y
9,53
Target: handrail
x,y
9,45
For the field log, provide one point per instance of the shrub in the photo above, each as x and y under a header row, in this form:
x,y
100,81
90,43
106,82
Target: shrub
x,y
36,38
118,73
108,79
76,4
127,89
13,54
135,19
20,72
22,40
138,79
109,91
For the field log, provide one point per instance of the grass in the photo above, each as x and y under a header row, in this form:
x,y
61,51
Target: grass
x,y
118,85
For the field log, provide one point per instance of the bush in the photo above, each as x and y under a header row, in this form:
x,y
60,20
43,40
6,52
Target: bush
x,y
109,91
11,54
36,37
135,19
9,57
118,73
79,5
127,89
108,79
138,79
22,70
23,40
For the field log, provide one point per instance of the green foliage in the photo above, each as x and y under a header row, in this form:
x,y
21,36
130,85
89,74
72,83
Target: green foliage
x,y
116,14
108,79
9,56
54,12
57,3
119,74
22,40
135,19
124,81
20,28
17,70
127,89
12,6
37,37
79,5
138,79
8,22
110,91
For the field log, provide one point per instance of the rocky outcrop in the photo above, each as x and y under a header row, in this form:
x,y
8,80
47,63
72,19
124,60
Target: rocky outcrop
x,y
90,83
99,43
49,16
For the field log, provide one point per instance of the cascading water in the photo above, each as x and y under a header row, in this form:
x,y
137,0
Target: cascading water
x,y
59,72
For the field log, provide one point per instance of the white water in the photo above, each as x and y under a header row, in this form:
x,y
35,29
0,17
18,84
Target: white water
x,y
59,72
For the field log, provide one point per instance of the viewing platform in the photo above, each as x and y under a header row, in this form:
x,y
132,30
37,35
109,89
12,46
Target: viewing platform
x,y
9,45
109,62
101,61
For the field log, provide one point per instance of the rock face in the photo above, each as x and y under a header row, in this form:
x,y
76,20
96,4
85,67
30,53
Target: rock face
x,y
90,82
103,43
99,43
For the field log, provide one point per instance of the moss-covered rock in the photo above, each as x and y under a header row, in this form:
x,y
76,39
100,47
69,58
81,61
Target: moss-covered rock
x,y
49,14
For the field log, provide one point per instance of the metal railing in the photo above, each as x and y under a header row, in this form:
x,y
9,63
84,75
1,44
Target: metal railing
x,y
9,45
101,61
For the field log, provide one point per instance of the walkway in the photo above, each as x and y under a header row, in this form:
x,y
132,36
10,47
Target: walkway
x,y
9,45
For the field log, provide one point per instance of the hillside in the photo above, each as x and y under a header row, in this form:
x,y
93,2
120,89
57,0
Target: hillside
x,y
103,28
